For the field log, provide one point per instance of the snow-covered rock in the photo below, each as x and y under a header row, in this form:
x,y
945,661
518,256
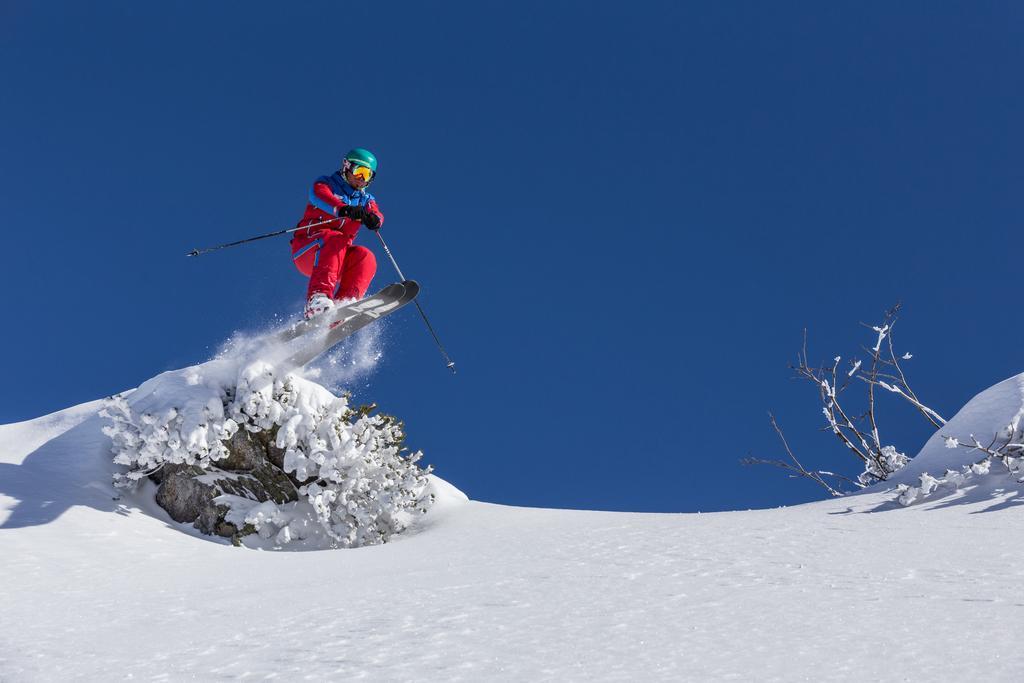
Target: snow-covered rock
x,y
238,432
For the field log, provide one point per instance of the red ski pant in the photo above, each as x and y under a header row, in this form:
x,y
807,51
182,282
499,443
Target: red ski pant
x,y
334,265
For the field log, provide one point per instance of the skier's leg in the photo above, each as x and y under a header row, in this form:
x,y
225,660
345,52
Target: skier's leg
x,y
322,260
357,270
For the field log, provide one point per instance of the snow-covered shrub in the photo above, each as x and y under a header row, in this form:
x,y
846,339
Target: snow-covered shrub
x,y
355,482
879,468
144,442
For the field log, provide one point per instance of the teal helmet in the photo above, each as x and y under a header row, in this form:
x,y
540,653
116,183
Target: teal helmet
x,y
362,157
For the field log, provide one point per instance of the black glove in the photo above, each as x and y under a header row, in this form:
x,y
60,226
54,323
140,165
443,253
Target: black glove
x,y
358,213
361,214
371,220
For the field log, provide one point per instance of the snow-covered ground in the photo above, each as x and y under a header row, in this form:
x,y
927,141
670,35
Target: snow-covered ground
x,y
850,589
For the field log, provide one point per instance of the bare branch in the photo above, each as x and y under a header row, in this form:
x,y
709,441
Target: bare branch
x,y
859,432
937,420
796,467
816,477
782,437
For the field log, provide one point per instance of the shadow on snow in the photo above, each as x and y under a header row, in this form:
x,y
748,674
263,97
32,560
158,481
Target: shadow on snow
x,y
71,469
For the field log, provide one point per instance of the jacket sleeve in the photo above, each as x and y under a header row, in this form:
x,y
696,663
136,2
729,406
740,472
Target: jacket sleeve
x,y
372,206
322,198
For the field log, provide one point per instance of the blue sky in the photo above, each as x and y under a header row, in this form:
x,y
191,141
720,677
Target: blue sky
x,y
622,215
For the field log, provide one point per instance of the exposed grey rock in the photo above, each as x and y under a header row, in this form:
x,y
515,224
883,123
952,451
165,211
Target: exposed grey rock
x,y
247,450
188,493
268,440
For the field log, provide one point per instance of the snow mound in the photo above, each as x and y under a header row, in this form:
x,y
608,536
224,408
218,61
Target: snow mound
x,y
948,468
21,438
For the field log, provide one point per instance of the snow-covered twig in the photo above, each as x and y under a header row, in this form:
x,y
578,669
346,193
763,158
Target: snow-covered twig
x,y
904,392
839,421
909,394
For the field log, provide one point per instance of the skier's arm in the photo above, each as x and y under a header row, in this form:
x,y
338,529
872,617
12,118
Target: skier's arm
x,y
322,198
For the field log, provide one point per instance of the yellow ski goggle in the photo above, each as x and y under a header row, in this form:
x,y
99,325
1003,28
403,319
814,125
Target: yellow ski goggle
x,y
360,172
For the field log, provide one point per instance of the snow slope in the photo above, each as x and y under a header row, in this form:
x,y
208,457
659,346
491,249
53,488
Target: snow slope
x,y
859,588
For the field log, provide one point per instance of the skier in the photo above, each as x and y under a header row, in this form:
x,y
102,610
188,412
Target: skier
x,y
337,269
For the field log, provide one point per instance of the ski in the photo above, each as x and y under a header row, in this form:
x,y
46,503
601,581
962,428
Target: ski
x,y
344,321
332,318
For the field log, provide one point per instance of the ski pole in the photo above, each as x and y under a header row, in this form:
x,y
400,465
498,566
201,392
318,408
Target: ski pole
x,y
449,363
197,252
